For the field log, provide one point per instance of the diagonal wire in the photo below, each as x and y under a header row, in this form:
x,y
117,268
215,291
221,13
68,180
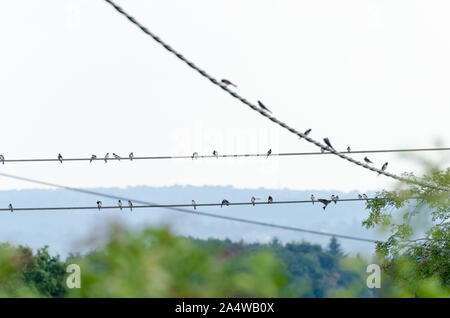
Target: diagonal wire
x,y
262,112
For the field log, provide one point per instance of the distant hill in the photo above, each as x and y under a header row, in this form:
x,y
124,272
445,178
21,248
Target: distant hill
x,y
69,231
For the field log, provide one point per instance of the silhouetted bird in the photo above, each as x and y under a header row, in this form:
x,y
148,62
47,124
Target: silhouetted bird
x,y
227,82
119,203
269,199
359,196
306,133
348,149
269,153
312,198
106,157
116,156
367,160
131,156
263,107
365,196
215,154
225,202
195,205
325,202
99,204
334,199
327,142
2,159
60,158
130,205
93,157
10,207
253,199
194,155
384,167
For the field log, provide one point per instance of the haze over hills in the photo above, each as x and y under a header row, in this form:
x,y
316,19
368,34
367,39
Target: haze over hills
x,y
71,231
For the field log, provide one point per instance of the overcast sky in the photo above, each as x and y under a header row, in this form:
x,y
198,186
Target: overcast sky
x,y
77,78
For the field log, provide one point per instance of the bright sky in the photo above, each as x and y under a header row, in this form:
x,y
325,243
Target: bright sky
x,y
77,78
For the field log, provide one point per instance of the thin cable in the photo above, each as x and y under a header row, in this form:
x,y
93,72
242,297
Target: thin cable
x,y
281,154
181,205
223,217
262,112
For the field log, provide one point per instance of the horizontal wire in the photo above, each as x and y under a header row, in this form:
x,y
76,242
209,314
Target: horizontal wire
x,y
211,215
181,205
281,154
223,86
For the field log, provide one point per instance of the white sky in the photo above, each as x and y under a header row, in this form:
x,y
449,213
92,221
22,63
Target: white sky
x,y
77,78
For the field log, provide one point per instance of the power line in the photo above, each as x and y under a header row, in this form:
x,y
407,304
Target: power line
x,y
168,157
115,207
264,113
223,217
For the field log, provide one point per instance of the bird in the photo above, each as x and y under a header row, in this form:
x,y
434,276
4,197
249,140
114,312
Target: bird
x,y
93,157
119,203
337,198
365,196
384,167
263,107
253,199
106,157
348,149
11,207
269,153
195,205
334,199
131,156
325,202
359,196
327,142
215,154
269,199
116,156
224,202
130,204
2,159
367,160
227,82
312,198
194,155
306,133
60,158
99,204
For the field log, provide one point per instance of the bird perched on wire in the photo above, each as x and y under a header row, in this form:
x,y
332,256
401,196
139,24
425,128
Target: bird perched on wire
x,y
119,203
194,156
334,198
359,196
269,153
130,205
365,196
131,156
348,149
2,159
194,204
263,107
93,157
215,154
253,199
312,198
227,82
306,133
225,202
367,160
269,199
384,167
106,157
325,202
327,142
99,204
60,158
116,156
11,207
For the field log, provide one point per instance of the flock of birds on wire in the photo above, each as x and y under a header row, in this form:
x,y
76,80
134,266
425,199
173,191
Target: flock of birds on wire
x,y
325,202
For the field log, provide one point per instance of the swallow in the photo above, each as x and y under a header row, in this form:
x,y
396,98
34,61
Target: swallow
x,y
119,203
93,157
11,207
60,158
253,199
116,156
106,157
269,153
325,202
384,167
225,202
2,159
269,199
312,198
195,156
359,196
306,133
263,107
227,82
99,205
215,154
130,205
327,142
131,156
348,149
365,196
334,199
367,160
195,205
